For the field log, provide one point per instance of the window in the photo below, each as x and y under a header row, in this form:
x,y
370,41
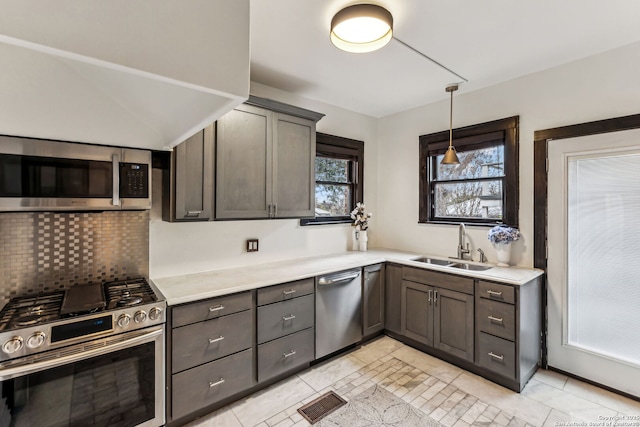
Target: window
x,y
483,188
339,172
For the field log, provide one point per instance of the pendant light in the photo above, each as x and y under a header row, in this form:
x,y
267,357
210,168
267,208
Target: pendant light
x,y
361,28
451,157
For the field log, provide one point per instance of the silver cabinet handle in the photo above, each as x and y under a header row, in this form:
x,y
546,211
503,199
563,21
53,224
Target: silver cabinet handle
x,y
216,308
291,353
430,295
193,213
435,296
289,317
289,292
495,319
495,356
213,340
494,293
115,161
220,381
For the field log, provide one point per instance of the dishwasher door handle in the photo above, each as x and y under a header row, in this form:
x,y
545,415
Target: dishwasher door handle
x,y
334,280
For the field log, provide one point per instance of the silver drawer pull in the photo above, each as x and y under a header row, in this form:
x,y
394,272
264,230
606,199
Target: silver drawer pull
x,y
289,317
220,381
212,340
494,293
291,353
289,292
495,319
216,308
495,356
193,213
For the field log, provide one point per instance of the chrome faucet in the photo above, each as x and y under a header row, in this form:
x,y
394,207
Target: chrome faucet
x,y
462,231
483,257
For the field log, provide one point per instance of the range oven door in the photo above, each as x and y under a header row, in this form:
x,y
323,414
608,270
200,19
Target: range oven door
x,y
117,381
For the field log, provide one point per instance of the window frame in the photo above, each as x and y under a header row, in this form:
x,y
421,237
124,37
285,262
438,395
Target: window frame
x,y
338,147
504,132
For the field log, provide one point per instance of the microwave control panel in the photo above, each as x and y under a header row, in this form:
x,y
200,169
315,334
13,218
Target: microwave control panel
x,y
134,180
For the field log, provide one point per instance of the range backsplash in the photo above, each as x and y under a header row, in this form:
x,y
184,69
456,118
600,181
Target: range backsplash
x,y
47,251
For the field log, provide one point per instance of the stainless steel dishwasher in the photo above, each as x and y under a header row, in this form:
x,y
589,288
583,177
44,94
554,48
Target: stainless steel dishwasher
x,y
338,311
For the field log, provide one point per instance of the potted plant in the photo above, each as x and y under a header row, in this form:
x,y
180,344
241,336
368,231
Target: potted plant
x,y
361,224
501,237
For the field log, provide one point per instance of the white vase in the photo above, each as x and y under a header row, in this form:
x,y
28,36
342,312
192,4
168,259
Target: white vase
x,y
503,253
362,240
354,239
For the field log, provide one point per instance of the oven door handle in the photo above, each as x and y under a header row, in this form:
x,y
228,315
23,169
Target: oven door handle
x,y
25,369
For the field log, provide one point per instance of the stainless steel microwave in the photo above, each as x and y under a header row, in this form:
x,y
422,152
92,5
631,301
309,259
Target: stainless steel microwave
x,y
45,175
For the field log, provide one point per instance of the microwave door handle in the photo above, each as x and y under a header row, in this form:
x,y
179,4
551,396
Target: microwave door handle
x,y
116,180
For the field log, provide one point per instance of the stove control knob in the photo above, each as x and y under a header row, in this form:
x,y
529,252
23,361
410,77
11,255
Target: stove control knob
x,y
140,316
13,345
124,320
155,313
36,340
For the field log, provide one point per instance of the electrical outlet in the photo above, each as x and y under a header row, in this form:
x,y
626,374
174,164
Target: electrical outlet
x,y
252,245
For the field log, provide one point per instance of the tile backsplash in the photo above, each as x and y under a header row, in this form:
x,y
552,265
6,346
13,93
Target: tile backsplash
x,y
47,251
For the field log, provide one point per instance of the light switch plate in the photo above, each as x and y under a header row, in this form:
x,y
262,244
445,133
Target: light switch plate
x,y
252,245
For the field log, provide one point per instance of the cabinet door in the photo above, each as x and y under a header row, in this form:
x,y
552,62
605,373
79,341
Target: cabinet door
x,y
243,163
373,300
417,312
453,323
193,179
393,298
293,166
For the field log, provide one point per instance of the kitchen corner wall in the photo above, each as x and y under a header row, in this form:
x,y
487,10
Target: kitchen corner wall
x,y
48,251
595,88
182,248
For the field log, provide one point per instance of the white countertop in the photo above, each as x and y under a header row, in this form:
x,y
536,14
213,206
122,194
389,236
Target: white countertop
x,y
192,287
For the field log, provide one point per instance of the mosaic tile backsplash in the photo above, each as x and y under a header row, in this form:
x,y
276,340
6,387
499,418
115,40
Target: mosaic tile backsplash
x,y
47,251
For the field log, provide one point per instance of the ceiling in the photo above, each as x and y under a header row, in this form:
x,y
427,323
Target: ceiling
x,y
486,42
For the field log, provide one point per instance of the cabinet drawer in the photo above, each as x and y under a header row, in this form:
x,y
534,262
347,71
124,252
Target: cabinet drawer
x,y
496,318
285,292
496,292
281,355
203,342
284,318
441,280
497,355
199,387
211,308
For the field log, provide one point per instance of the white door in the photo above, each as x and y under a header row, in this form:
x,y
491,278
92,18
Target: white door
x,y
594,258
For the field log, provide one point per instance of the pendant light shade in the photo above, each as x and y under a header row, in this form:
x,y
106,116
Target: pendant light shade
x,y
361,28
451,157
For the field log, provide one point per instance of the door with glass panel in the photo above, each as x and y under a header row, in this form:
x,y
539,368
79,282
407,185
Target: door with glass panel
x,y
593,258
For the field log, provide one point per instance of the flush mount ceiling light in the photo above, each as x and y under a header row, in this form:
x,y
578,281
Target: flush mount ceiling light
x,y
451,157
361,28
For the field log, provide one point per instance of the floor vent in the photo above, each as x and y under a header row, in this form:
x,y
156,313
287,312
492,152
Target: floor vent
x,y
319,408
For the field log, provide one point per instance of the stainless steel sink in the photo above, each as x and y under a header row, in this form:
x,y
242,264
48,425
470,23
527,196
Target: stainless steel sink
x,y
471,267
434,261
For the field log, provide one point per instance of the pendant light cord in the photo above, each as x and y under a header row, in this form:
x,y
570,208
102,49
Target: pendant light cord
x,y
451,121
430,59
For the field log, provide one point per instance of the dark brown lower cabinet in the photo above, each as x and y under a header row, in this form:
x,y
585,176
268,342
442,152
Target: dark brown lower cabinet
x,y
393,298
490,328
373,291
204,385
438,318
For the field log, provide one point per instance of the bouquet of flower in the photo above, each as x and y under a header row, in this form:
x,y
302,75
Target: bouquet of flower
x,y
359,217
503,234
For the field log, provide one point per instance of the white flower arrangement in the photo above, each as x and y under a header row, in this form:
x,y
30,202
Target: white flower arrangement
x,y
503,234
359,217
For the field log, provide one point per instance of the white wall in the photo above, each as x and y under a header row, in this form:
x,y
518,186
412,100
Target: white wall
x,y
177,248
595,88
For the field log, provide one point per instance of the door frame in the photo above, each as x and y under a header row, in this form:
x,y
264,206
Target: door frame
x,y
540,192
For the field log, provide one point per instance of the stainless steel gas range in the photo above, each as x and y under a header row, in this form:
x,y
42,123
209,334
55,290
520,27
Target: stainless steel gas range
x,y
89,356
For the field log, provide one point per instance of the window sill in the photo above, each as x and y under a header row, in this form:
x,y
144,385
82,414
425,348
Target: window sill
x,y
325,221
467,222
